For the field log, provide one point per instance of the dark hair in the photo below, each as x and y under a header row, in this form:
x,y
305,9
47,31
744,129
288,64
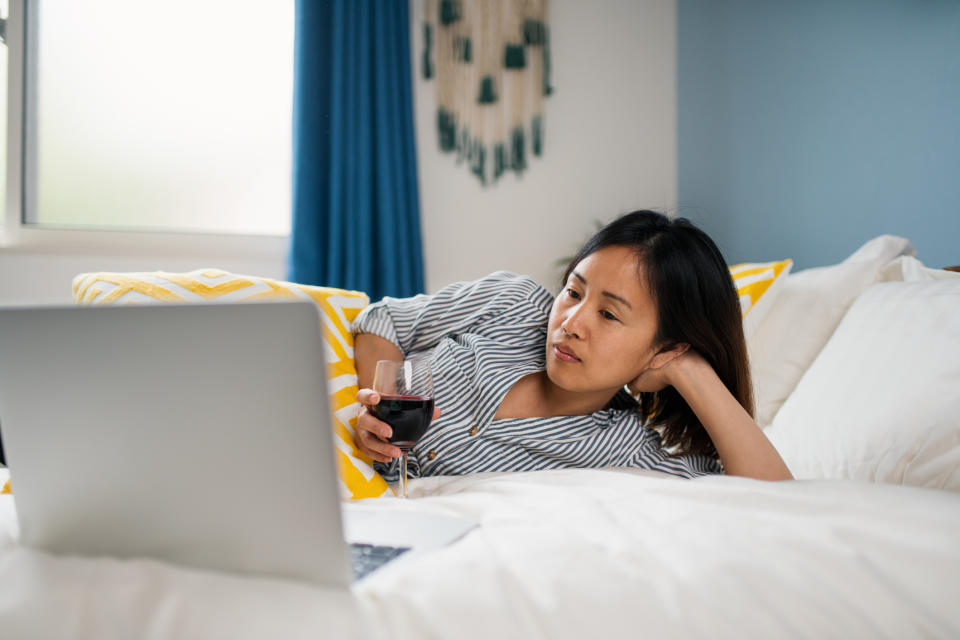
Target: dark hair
x,y
697,304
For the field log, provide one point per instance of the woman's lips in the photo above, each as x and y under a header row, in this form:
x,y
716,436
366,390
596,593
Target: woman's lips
x,y
564,354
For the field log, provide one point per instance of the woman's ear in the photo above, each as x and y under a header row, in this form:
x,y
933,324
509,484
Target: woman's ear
x,y
665,355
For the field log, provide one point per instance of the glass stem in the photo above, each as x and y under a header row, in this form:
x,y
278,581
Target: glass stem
x,y
403,473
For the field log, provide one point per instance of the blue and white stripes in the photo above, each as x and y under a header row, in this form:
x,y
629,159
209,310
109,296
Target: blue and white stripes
x,y
485,336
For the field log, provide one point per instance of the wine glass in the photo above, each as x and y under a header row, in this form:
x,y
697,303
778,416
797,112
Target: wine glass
x,y
406,404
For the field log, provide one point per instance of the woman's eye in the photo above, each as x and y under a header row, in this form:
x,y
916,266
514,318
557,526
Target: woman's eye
x,y
609,316
573,294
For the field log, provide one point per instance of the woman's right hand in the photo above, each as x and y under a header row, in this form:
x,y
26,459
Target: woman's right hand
x,y
373,435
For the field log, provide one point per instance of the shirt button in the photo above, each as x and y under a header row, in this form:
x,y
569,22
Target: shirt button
x,y
474,431
431,454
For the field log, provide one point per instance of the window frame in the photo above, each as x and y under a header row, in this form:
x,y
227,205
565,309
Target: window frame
x,y
17,236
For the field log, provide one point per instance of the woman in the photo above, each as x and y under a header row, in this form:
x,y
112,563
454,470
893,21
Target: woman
x,y
529,382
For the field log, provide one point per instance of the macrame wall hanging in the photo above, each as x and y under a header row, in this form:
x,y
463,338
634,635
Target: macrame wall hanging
x,y
491,63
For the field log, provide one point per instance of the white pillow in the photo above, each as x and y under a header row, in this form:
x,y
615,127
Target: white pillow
x,y
882,400
809,307
909,269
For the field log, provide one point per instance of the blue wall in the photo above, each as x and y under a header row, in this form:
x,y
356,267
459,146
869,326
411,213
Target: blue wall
x,y
806,127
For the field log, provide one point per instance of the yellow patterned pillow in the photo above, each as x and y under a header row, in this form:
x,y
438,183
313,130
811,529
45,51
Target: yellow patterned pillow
x,y
339,308
758,284
6,487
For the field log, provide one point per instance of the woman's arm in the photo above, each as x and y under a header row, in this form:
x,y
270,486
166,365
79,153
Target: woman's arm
x,y
368,348
744,449
394,327
421,322
372,435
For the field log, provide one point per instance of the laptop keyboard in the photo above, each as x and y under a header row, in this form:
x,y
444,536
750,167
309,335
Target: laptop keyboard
x,y
365,558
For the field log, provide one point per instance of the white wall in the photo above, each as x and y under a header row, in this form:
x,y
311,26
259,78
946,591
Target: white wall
x,y
610,147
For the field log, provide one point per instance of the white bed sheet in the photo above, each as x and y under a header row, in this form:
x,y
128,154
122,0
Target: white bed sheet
x,y
559,554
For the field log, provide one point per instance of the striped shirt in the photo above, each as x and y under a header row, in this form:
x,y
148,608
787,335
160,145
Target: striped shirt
x,y
481,338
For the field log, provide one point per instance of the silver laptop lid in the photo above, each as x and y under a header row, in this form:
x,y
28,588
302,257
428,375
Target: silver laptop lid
x,y
198,434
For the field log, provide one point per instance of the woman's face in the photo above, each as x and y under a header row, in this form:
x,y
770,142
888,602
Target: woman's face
x,y
602,324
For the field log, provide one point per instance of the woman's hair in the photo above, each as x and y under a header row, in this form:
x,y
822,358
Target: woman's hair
x,y
696,303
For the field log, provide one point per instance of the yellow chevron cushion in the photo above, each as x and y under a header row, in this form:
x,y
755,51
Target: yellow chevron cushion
x,y
338,306
758,284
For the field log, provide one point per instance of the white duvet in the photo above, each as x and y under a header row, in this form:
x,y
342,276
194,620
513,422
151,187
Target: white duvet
x,y
559,554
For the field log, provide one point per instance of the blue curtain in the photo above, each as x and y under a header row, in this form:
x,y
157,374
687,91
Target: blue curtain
x,y
355,203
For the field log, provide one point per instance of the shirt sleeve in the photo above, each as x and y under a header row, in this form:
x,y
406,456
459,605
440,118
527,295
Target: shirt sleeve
x,y
654,457
421,322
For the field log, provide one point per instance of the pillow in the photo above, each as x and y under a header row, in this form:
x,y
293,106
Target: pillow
x,y
338,309
758,285
909,269
6,487
808,308
880,402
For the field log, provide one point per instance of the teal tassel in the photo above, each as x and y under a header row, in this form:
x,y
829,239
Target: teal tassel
x,y
518,160
536,136
479,162
463,144
499,160
447,130
450,11
462,49
488,94
427,63
534,32
547,89
514,56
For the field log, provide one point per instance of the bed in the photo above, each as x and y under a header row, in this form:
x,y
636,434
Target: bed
x,y
856,366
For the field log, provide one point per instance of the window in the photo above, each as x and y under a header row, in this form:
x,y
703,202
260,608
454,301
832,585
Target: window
x,y
4,16
147,116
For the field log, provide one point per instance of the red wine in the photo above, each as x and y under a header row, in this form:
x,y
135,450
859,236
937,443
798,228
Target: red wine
x,y
409,416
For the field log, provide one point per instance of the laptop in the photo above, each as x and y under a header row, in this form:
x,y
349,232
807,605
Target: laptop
x,y
195,434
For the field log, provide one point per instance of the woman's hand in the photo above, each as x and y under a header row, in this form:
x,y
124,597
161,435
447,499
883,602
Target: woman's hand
x,y
373,435
664,369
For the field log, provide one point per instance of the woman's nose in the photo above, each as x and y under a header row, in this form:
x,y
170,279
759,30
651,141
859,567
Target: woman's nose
x,y
573,324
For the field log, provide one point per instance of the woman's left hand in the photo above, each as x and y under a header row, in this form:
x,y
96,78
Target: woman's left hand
x,y
664,369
